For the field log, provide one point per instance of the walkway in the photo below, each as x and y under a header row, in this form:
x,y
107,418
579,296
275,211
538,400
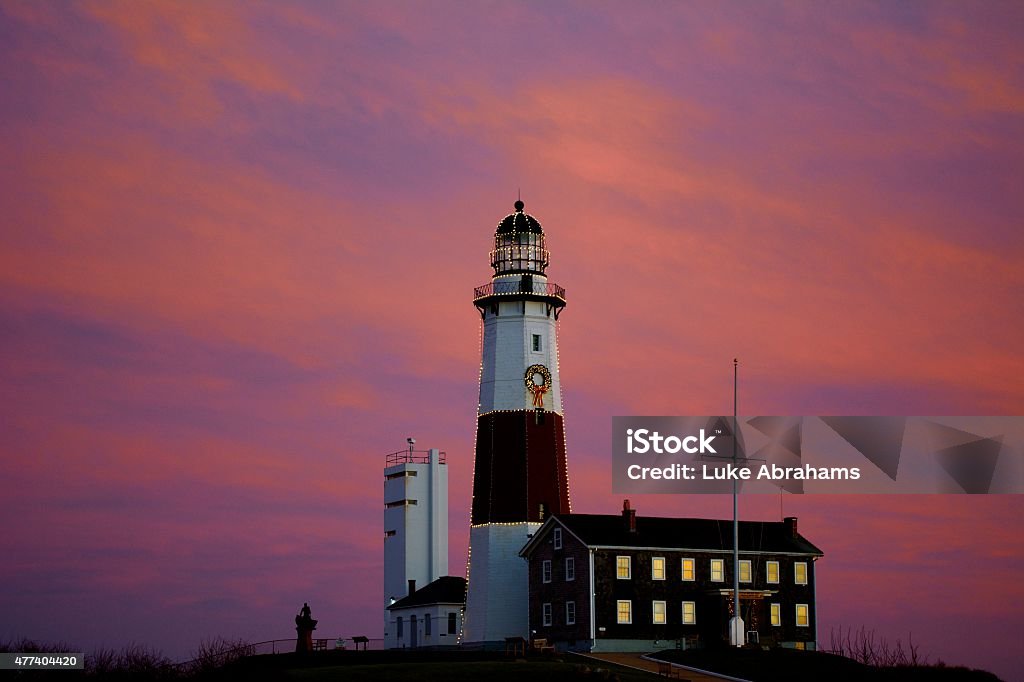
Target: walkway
x,y
635,661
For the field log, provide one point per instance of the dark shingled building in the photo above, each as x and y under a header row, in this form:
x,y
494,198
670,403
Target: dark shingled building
x,y
627,583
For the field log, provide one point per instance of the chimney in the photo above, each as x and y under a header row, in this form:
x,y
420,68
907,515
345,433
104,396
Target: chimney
x,y
412,586
629,516
790,522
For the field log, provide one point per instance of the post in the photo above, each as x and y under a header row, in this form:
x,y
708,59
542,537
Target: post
x,y
736,634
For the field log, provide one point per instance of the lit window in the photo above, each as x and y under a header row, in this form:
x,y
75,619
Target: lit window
x,y
570,613
622,567
658,568
658,610
717,570
547,614
536,343
800,646
545,571
556,536
773,571
426,624
745,571
624,609
802,619
776,614
800,573
570,569
689,569
689,612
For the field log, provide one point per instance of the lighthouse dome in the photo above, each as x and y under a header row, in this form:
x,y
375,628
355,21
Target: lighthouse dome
x,y
519,245
519,222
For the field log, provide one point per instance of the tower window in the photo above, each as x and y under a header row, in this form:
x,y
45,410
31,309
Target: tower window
x,y
536,343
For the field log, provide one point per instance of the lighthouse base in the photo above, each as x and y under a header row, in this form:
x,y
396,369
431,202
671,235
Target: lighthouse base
x,y
497,596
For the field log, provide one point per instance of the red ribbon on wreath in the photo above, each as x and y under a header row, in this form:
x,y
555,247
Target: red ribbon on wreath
x,y
538,395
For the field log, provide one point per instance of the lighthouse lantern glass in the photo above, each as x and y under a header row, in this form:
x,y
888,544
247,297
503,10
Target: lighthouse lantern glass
x,y
519,252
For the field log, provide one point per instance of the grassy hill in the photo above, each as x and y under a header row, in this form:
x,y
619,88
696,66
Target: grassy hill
x,y
812,666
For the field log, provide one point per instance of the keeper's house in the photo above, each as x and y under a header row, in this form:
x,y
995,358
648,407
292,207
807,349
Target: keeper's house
x,y
623,583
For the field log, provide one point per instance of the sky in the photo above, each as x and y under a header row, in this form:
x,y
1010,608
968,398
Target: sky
x,y
239,244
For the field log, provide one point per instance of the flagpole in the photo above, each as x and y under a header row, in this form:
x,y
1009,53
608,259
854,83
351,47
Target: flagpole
x,y
737,624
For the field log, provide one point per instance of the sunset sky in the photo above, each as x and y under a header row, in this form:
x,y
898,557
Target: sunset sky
x,y
239,244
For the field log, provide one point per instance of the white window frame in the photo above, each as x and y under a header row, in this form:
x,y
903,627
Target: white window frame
x,y
807,616
775,614
768,572
546,615
556,537
570,569
618,611
664,568
545,571
693,569
693,613
750,570
654,612
721,570
629,567
570,612
796,572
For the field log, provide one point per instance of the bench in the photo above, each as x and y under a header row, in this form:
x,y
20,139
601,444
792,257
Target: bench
x,y
542,646
515,646
360,639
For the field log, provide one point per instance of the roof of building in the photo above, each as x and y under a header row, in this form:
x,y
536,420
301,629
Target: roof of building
x,y
612,530
448,589
519,222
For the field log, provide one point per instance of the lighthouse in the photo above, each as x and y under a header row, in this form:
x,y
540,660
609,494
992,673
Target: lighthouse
x,y
519,475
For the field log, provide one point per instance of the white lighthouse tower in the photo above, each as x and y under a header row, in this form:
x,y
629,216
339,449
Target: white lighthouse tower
x,y
520,467
415,526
